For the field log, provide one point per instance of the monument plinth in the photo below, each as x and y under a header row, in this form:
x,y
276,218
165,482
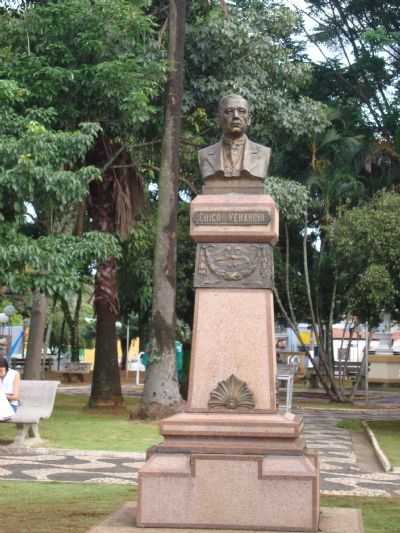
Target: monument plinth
x,y
231,460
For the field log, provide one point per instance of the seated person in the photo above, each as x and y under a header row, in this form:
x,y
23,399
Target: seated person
x,y
9,383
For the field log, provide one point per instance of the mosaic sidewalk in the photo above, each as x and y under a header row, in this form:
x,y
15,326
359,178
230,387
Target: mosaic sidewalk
x,y
340,472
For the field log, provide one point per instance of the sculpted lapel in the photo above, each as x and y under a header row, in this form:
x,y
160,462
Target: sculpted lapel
x,y
255,161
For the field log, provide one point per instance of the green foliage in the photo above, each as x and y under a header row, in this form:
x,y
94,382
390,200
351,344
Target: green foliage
x,y
363,37
43,180
135,274
186,251
89,61
16,319
54,264
69,71
292,198
369,256
42,167
253,52
375,292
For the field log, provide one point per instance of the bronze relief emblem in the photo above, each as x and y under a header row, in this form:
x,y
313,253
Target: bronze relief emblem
x,y
234,265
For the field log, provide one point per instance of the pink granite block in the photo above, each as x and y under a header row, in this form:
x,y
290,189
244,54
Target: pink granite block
x,y
234,203
333,520
239,492
233,333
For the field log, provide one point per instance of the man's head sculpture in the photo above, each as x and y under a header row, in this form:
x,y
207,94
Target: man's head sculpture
x,y
234,164
234,115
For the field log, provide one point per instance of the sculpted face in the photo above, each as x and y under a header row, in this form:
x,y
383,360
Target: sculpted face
x,y
234,116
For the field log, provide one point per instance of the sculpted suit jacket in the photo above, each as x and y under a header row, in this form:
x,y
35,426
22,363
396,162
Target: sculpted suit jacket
x,y
255,161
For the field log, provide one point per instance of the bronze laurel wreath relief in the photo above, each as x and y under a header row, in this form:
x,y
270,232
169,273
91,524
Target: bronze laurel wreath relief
x,y
232,393
235,265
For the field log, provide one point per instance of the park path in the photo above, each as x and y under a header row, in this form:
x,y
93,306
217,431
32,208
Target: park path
x,y
341,473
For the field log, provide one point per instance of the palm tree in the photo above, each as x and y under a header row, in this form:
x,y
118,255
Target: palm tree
x,y
112,205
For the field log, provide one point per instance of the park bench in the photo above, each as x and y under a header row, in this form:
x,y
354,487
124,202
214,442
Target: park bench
x,y
350,370
18,363
78,370
36,402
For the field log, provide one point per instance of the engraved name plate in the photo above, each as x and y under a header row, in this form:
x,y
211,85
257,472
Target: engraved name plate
x,y
231,218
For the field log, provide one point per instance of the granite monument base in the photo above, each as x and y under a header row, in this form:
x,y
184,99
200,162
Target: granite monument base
x,y
332,520
230,471
231,460
230,492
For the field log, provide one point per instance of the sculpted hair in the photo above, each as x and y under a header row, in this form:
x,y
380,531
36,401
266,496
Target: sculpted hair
x,y
222,102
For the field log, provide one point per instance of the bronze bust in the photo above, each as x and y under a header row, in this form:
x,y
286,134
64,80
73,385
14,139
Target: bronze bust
x,y
234,164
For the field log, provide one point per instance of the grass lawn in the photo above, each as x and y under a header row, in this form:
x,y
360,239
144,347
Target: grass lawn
x,y
73,425
58,507
64,507
351,425
321,404
380,515
388,434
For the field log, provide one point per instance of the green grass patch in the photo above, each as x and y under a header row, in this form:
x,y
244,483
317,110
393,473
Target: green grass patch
x,y
34,507
31,507
322,404
351,425
380,515
388,435
74,425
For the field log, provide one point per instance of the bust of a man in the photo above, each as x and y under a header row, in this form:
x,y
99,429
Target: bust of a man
x,y
235,162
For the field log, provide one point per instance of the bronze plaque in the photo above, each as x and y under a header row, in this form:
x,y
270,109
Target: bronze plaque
x,y
231,218
234,265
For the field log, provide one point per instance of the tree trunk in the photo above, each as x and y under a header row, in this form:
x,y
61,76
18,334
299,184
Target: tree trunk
x,y
161,385
75,337
319,333
124,353
123,339
287,277
36,336
73,324
61,347
106,384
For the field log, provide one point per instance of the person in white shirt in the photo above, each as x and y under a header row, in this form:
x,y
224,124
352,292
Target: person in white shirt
x,y
9,383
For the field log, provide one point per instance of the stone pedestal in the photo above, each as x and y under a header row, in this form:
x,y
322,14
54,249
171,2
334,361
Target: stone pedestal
x,y
231,460
333,520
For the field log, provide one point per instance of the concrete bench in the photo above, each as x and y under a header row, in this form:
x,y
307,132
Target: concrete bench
x,y
36,402
79,370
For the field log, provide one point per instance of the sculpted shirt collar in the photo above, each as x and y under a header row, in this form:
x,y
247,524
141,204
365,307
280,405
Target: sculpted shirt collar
x,y
228,141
